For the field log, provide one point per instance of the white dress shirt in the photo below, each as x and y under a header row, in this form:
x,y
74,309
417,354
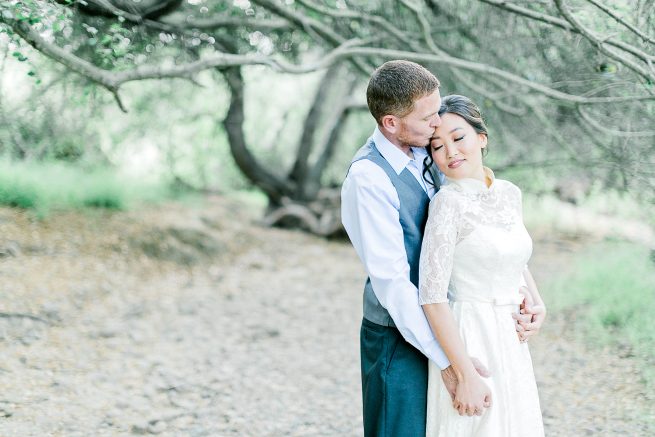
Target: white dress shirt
x,y
369,212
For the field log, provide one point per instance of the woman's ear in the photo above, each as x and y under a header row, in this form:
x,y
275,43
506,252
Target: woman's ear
x,y
483,139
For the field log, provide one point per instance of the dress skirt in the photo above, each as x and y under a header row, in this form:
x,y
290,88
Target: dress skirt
x,y
489,333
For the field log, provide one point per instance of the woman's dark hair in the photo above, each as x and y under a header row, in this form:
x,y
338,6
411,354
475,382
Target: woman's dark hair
x,y
469,111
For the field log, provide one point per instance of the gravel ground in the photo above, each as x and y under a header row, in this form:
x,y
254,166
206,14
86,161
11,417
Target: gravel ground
x,y
187,320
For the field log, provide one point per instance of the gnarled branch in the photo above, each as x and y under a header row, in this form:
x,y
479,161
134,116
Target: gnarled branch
x,y
600,44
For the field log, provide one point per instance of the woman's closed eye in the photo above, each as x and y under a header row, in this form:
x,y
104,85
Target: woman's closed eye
x,y
460,138
436,147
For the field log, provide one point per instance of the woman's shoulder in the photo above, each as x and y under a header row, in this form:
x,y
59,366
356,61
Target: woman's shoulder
x,y
507,190
505,185
448,192
447,196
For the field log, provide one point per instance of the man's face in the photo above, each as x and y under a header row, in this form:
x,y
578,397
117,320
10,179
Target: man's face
x,y
417,127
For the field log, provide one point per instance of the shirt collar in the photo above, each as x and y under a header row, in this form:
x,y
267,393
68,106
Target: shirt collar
x,y
472,185
394,156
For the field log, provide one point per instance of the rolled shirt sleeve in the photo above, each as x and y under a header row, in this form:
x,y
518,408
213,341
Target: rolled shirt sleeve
x,y
369,211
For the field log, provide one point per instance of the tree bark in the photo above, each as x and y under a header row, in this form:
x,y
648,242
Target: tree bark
x,y
274,186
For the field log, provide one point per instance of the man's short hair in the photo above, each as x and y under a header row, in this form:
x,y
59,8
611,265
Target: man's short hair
x,y
394,87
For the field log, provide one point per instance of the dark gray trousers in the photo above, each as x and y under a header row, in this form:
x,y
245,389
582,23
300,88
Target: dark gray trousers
x,y
394,383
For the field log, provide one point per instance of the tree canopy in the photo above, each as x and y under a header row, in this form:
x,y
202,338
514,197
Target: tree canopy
x,y
563,84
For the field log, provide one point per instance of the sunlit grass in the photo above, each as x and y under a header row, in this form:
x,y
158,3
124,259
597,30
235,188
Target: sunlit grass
x,y
611,290
608,216
44,187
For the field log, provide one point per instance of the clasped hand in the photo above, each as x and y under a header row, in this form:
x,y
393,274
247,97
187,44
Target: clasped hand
x,y
469,393
530,318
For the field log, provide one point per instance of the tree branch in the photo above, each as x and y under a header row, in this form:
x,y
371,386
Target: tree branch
x,y
464,64
312,121
219,22
302,21
275,187
113,80
598,42
355,15
563,24
614,132
334,129
311,27
621,21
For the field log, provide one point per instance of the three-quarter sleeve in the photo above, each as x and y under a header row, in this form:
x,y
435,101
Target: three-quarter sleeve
x,y
438,248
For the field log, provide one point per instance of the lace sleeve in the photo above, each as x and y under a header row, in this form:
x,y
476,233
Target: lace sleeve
x,y
438,249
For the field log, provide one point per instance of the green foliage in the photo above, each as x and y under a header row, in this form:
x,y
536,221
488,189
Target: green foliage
x,y
611,290
49,186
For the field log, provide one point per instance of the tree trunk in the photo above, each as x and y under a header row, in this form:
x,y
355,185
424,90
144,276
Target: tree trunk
x,y
273,186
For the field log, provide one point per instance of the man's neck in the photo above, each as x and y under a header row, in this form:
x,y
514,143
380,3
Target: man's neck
x,y
405,148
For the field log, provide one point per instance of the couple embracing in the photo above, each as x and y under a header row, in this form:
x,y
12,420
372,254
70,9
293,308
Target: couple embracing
x,y
449,302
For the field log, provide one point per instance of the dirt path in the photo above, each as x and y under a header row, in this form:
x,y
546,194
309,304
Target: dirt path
x,y
193,321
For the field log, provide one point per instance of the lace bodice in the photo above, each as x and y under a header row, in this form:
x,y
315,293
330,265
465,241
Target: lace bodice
x,y
475,244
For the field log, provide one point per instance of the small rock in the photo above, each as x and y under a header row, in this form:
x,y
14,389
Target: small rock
x,y
10,248
140,428
51,312
157,427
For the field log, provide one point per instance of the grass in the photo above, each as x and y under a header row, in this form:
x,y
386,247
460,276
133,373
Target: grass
x,y
611,287
49,186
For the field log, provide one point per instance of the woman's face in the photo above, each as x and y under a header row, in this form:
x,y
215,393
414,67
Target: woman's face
x,y
456,148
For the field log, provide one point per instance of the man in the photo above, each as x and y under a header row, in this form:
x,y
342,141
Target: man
x,y
384,209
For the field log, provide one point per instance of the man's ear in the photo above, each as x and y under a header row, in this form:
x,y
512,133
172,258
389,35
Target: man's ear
x,y
391,123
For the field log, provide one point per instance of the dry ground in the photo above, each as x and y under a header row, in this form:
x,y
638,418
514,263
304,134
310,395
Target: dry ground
x,y
184,320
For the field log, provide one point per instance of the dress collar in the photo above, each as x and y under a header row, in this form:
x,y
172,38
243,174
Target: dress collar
x,y
472,185
394,156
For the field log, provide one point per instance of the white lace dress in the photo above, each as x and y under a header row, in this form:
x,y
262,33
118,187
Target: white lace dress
x,y
474,251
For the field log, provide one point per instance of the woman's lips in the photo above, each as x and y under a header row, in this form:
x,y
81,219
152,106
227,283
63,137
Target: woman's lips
x,y
455,164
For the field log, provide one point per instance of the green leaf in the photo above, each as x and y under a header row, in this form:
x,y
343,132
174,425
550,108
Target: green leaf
x,y
18,55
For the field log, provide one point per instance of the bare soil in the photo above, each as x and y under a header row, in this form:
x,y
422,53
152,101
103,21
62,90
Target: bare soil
x,y
193,320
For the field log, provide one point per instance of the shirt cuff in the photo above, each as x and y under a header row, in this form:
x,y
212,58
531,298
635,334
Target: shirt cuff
x,y
437,355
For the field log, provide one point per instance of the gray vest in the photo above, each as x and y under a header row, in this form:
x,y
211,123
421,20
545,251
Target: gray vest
x,y
413,213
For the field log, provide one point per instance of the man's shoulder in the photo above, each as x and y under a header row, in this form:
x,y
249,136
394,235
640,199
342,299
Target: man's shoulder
x,y
365,172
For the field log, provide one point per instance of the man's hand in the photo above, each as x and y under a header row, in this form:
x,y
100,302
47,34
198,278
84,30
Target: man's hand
x,y
450,377
531,317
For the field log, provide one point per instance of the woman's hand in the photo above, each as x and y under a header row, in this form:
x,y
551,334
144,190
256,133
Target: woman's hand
x,y
472,396
537,315
450,379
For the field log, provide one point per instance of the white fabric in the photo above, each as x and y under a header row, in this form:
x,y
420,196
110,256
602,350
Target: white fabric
x,y
474,250
369,212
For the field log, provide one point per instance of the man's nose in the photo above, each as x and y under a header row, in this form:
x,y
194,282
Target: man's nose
x,y
436,121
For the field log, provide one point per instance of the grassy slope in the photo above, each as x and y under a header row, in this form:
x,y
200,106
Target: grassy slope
x,y
44,187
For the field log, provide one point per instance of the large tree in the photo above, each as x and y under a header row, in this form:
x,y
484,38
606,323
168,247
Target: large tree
x,y
564,83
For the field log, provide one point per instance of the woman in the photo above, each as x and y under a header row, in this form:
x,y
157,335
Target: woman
x,y
475,250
